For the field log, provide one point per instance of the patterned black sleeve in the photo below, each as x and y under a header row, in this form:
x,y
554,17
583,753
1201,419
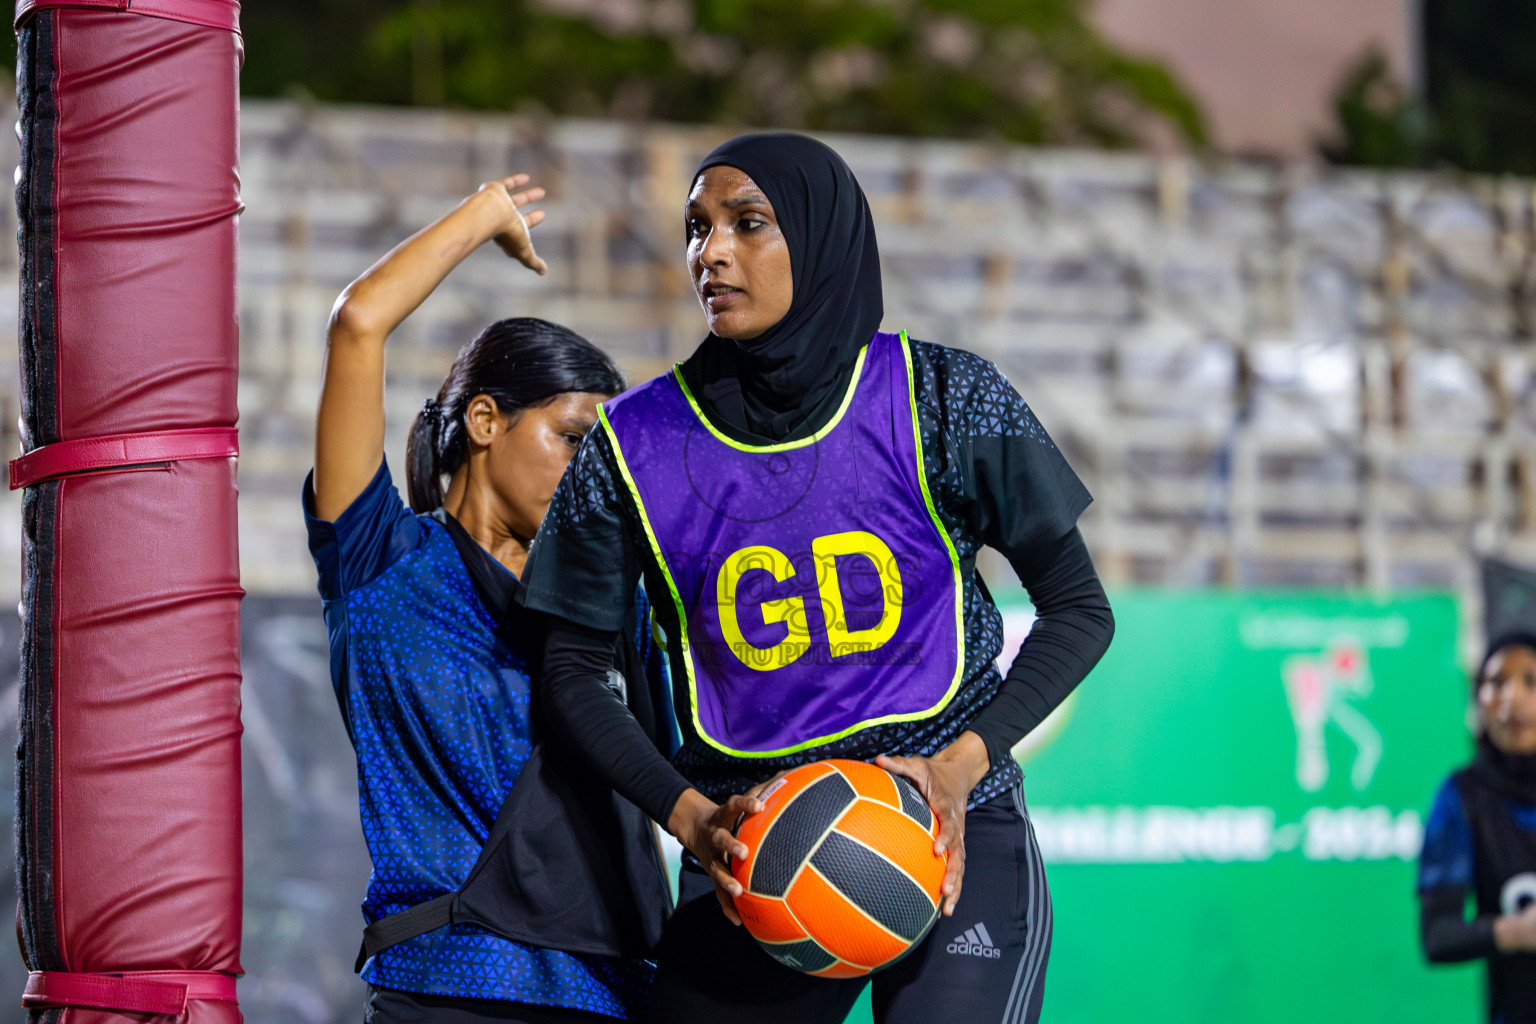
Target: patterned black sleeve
x,y
584,563
999,480
1008,483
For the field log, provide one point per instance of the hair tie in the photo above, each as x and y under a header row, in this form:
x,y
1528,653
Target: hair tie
x,y
432,409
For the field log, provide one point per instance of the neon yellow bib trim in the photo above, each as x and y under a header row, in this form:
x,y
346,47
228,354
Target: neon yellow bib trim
x,y
837,417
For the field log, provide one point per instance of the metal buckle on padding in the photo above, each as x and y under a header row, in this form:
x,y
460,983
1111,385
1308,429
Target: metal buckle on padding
x,y
127,991
122,451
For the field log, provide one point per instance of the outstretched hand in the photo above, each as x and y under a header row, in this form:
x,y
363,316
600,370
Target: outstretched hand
x,y
514,238
945,780
706,829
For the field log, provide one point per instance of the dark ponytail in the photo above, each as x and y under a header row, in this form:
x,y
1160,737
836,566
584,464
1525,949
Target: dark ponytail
x,y
519,364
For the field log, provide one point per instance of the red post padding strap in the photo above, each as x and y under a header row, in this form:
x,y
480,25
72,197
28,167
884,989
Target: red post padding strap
x,y
210,13
119,451
128,991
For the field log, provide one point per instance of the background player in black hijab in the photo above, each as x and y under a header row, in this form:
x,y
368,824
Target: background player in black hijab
x,y
782,254
1481,840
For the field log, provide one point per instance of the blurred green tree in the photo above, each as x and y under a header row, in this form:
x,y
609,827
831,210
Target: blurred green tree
x,y
1380,124
1025,70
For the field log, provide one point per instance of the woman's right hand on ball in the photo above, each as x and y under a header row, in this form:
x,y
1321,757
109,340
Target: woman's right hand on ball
x,y
706,829
507,197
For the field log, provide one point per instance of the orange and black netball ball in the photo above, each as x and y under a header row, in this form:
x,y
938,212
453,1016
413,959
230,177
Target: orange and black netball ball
x,y
841,879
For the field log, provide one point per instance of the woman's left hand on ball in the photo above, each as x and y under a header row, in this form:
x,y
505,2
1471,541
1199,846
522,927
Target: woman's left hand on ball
x,y
945,780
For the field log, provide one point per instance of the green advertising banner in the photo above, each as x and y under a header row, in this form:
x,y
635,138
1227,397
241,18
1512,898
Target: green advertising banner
x,y
1231,808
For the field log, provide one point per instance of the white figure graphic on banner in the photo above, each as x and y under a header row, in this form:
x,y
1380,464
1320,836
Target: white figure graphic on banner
x,y
1321,691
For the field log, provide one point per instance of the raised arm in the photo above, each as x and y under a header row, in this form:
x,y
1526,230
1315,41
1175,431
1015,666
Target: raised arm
x,y
349,433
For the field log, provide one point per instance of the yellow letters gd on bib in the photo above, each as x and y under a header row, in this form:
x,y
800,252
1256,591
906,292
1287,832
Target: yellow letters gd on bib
x,y
791,610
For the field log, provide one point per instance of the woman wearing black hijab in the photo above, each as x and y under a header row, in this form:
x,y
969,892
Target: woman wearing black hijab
x,y
799,435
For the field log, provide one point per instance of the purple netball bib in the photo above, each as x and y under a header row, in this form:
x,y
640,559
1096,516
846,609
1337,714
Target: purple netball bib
x,y
817,592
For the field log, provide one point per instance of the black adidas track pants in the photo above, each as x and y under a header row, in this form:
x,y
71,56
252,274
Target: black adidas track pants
x,y
985,964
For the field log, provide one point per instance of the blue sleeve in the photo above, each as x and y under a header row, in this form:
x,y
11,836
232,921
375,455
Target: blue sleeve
x,y
370,535
1446,861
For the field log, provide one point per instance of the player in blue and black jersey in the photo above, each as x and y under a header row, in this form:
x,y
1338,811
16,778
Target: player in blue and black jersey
x,y
1480,841
805,497
433,658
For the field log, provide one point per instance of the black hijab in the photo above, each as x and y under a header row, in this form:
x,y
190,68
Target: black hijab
x,y
774,386
1511,774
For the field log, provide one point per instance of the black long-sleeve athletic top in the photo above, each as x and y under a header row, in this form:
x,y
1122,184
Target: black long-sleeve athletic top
x,y
996,479
1447,935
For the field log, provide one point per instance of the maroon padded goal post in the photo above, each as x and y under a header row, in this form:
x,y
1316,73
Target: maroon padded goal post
x,y
128,852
